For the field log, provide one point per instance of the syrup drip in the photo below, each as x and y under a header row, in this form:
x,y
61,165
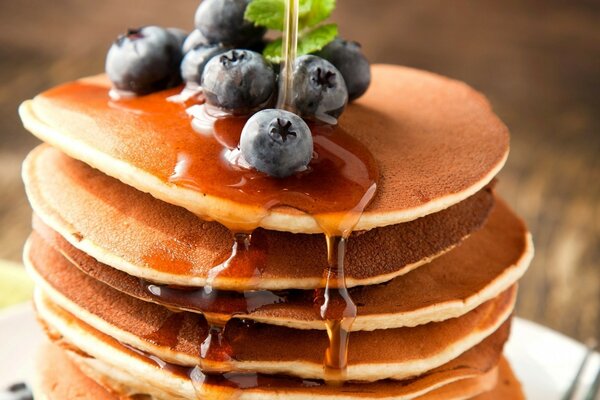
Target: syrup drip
x,y
216,352
337,309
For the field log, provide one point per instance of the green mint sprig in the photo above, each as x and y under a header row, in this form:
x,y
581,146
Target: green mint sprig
x,y
312,36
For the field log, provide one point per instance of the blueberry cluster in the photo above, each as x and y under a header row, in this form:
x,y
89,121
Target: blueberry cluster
x,y
220,57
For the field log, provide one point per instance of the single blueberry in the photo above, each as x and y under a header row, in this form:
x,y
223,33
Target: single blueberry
x,y
195,60
348,58
319,89
144,60
194,39
222,21
179,34
238,81
276,142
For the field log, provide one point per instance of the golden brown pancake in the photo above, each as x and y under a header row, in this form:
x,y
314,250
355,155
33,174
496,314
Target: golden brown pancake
x,y
58,378
148,238
508,386
437,143
176,337
484,265
104,357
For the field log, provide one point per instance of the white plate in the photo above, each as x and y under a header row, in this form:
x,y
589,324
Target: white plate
x,y
545,361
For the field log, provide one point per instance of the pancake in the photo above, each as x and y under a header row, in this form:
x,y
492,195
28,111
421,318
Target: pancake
x,y
58,377
55,377
150,239
106,355
437,143
485,264
176,338
452,388
72,383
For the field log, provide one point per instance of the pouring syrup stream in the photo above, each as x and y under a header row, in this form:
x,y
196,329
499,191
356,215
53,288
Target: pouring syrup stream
x,y
285,100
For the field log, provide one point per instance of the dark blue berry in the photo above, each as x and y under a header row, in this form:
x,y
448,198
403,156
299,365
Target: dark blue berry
x,y
144,60
179,34
194,39
319,89
348,58
196,59
222,21
238,81
276,142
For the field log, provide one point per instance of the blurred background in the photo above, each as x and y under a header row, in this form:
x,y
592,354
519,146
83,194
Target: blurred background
x,y
538,62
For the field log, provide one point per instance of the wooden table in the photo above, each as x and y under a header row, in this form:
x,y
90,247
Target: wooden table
x,y
538,63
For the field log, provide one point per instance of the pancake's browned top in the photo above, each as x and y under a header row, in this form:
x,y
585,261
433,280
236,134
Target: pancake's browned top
x,y
432,137
455,276
153,236
183,332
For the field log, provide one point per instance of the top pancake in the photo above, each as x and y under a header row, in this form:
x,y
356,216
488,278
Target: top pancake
x,y
436,142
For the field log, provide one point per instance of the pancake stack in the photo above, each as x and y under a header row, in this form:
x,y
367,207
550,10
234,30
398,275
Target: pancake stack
x,y
160,276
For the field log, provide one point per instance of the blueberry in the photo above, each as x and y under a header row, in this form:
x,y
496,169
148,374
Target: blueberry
x,y
319,89
144,60
195,60
194,39
179,34
238,81
348,58
276,142
222,21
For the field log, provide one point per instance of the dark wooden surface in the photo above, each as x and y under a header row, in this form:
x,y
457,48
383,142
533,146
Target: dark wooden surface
x,y
538,62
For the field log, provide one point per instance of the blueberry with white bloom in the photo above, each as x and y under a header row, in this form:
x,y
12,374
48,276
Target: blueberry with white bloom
x,y
276,142
222,21
348,58
179,34
196,59
194,39
319,89
145,60
238,81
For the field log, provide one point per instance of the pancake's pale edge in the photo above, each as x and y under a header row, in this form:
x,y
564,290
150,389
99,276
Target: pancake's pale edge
x,y
109,360
224,210
303,369
54,220
432,313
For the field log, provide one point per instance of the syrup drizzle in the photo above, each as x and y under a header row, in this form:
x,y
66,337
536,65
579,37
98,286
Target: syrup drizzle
x,y
336,188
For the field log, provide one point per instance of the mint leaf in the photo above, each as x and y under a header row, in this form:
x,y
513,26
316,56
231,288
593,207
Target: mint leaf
x,y
309,42
318,11
272,51
267,13
304,7
317,38
271,13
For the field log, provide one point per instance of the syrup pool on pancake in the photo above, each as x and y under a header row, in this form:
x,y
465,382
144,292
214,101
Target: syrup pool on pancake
x,y
271,160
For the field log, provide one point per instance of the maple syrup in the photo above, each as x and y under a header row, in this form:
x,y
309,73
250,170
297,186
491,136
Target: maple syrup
x,y
337,186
